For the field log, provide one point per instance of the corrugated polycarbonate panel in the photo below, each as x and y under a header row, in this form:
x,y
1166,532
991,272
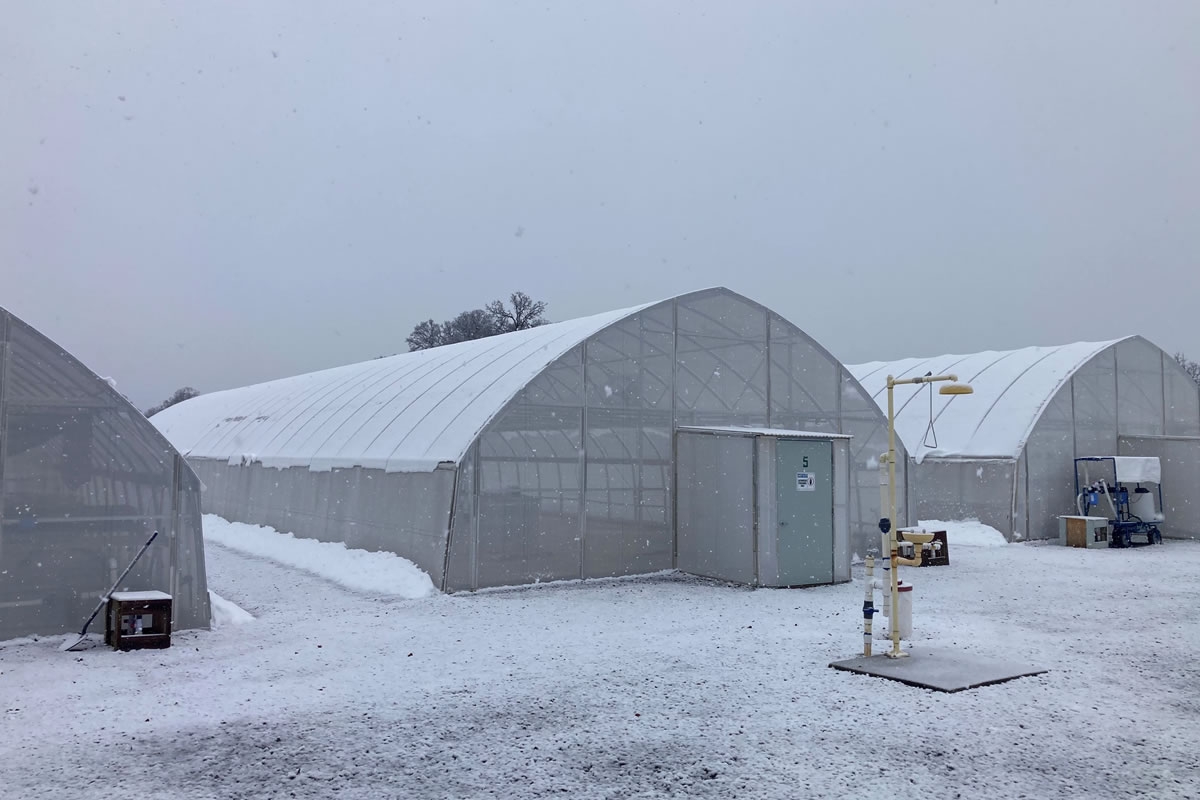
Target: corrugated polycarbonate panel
x,y
716,506
404,413
1011,387
1139,388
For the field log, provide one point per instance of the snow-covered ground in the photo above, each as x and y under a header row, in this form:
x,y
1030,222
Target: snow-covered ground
x,y
666,686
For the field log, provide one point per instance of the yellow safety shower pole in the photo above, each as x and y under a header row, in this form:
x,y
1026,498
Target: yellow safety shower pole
x,y
953,388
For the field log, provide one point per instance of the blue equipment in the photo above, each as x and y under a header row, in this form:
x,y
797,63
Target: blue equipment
x,y
1130,512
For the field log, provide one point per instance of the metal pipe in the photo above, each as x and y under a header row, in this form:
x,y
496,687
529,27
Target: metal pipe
x,y
868,604
892,547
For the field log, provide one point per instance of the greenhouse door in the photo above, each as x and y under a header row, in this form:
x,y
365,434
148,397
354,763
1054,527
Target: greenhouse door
x,y
804,500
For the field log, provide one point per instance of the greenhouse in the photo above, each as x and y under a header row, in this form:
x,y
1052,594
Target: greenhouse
x,y
552,453
84,480
1005,454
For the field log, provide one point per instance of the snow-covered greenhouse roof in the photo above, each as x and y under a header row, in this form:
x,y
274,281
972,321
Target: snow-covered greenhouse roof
x,y
405,413
1012,388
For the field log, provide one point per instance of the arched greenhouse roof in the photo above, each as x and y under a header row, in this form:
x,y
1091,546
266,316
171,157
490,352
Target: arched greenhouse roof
x,y
1012,388
405,413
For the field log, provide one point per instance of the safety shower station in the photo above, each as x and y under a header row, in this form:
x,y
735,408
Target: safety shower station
x,y
763,506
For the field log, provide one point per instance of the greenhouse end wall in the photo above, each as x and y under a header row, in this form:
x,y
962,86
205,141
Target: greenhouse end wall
x,y
575,478
1129,399
84,482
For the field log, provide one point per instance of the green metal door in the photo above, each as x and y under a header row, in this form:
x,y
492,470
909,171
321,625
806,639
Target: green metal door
x,y
804,501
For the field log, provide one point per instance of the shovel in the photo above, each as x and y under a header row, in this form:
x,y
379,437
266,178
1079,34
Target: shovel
x,y
83,633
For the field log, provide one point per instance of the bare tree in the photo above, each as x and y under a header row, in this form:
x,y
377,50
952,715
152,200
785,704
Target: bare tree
x,y
468,326
525,313
186,393
1192,368
426,335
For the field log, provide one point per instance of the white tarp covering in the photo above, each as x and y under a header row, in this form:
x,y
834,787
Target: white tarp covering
x,y
405,413
1138,469
1011,390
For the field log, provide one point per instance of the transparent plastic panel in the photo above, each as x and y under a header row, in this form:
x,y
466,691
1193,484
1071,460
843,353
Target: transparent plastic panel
x,y
805,382
716,506
1021,520
1050,459
953,490
1139,388
190,590
530,486
1183,401
1095,394
406,513
83,488
460,565
40,372
628,527
1180,463
722,361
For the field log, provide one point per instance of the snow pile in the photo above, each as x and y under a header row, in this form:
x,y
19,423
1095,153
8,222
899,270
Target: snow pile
x,y
226,613
359,570
966,532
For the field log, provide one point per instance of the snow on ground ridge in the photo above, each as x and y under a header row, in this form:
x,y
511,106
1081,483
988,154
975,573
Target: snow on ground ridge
x,y
226,612
965,532
357,570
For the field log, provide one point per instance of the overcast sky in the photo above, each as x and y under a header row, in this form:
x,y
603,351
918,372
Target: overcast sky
x,y
220,193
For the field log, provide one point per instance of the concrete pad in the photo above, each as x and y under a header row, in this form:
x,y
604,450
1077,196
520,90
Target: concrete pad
x,y
940,670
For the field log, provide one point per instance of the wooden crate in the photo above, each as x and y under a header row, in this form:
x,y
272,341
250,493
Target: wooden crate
x,y
137,620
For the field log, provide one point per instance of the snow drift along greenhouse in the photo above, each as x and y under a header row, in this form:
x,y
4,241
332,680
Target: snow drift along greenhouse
x,y
1005,454
84,480
552,453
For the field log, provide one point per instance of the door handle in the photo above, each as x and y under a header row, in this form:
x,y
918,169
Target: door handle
x,y
782,523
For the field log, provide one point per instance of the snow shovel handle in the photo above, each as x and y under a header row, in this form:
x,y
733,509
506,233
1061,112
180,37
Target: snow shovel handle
x,y
117,583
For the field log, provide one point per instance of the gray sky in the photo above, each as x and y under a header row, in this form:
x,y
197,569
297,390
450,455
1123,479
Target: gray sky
x,y
219,193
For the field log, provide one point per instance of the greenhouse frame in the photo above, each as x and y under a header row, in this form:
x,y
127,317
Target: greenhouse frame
x,y
1005,454
84,481
544,454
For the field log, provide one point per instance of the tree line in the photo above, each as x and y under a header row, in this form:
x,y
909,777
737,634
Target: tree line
x,y
520,313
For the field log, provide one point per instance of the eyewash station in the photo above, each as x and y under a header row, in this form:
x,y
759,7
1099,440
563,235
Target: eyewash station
x,y
925,667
